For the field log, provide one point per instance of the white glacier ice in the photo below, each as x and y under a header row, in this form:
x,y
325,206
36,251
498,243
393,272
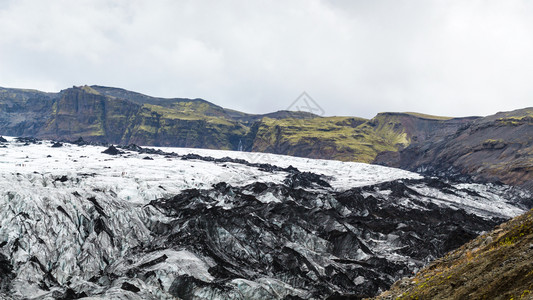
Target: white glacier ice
x,y
49,225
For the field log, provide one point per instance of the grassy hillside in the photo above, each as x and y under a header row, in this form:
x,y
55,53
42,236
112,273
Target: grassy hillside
x,y
341,138
430,117
348,138
496,265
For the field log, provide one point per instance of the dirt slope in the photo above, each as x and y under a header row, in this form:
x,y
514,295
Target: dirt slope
x,y
496,265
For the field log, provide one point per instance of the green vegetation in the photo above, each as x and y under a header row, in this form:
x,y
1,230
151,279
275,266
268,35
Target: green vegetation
x,y
341,138
120,116
430,117
89,90
516,120
517,232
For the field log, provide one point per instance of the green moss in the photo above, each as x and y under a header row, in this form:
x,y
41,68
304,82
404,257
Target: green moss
x,y
185,111
516,233
147,128
425,116
342,138
521,117
89,90
492,141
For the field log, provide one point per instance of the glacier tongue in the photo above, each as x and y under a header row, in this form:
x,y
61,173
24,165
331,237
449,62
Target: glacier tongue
x,y
76,223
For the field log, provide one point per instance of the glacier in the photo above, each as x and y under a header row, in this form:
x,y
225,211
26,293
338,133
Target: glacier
x,y
209,224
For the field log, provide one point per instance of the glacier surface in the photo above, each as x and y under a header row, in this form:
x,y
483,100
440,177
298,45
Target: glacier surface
x,y
202,224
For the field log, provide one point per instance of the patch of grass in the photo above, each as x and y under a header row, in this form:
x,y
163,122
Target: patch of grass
x,y
345,138
526,118
516,233
89,90
430,117
186,111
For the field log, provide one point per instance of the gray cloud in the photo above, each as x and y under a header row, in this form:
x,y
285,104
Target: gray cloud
x,y
353,57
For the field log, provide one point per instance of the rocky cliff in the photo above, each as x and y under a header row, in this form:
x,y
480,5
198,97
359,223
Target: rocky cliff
x,y
493,148
117,116
114,115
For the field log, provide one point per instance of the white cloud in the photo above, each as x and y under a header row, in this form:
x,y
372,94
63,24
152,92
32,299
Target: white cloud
x,y
353,57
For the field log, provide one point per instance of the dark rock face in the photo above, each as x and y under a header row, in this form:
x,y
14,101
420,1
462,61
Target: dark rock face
x,y
321,243
6,273
497,148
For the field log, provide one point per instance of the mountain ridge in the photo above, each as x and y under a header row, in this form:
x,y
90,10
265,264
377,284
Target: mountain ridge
x,y
413,141
115,115
493,148
472,166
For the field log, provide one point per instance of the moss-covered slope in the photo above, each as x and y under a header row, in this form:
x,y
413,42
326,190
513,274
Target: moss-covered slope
x,y
348,138
496,265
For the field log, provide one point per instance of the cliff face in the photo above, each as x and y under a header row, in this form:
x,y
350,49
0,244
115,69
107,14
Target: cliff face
x,y
84,112
113,115
24,112
493,148
350,138
102,117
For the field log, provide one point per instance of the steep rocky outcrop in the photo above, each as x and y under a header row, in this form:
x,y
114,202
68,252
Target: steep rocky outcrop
x,y
493,148
86,113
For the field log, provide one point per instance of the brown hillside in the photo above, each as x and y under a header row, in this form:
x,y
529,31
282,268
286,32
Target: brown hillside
x,y
496,265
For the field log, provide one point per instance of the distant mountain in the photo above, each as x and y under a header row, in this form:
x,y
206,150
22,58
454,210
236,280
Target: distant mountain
x,y
349,138
494,148
119,116
113,115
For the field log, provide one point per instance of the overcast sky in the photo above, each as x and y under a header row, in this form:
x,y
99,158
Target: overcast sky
x,y
358,58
